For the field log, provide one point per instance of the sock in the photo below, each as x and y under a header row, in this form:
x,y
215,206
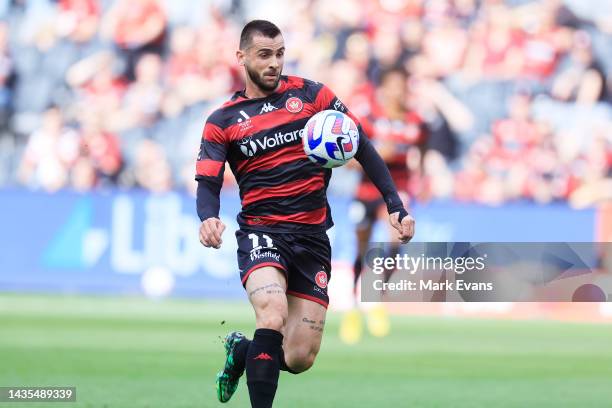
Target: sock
x,y
240,354
283,364
263,367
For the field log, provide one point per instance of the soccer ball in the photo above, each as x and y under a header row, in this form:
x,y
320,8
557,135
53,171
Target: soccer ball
x,y
330,138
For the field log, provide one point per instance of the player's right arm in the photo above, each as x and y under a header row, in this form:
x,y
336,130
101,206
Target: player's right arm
x,y
209,175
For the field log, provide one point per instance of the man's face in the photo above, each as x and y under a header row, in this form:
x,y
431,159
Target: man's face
x,y
263,60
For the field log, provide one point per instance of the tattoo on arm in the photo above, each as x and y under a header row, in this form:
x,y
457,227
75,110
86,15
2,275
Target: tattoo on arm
x,y
272,288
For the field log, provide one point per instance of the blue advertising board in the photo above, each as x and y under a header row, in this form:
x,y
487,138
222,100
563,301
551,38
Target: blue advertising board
x,y
135,242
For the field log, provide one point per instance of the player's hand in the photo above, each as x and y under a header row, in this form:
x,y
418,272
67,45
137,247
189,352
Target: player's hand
x,y
405,228
210,233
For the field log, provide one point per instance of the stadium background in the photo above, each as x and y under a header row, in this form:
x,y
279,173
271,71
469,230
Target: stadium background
x,y
102,105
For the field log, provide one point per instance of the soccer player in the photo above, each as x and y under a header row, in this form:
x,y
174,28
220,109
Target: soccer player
x,y
283,249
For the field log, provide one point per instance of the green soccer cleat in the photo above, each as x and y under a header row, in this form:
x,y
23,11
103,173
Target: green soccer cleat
x,y
227,380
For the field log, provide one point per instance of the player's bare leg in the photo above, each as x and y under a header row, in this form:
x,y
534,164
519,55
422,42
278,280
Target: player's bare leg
x,y
266,288
303,333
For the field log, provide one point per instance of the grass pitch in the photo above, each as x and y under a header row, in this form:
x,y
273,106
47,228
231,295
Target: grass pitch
x,y
134,353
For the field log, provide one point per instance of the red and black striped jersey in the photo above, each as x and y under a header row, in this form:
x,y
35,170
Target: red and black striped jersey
x,y
261,139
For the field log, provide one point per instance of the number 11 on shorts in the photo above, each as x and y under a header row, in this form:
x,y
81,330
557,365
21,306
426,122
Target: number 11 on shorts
x,y
255,239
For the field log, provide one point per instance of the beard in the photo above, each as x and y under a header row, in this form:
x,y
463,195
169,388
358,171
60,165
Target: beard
x,y
258,80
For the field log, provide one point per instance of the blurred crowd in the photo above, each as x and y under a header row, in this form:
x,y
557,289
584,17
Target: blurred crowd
x,y
516,96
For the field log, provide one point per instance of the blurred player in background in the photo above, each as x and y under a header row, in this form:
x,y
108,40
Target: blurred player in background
x,y
399,135
284,253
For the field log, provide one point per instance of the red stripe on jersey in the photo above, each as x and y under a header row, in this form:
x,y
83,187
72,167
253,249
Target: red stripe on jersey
x,y
294,82
324,97
232,102
270,160
305,217
291,188
213,133
208,168
271,120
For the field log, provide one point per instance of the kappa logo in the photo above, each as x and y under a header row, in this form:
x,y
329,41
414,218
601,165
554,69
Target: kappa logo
x,y
321,279
247,146
294,105
267,107
263,356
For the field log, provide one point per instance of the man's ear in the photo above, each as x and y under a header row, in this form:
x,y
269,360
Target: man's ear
x,y
240,57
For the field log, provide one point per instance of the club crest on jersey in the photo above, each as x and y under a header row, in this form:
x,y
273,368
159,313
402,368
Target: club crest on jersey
x,y
294,105
247,146
321,279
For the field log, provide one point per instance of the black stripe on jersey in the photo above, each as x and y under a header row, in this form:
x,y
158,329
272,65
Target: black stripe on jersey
x,y
287,205
212,150
294,171
311,89
217,118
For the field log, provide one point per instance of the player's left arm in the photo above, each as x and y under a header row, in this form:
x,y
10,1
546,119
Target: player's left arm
x,y
374,166
209,175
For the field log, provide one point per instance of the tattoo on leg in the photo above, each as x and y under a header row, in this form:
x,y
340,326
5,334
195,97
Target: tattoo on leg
x,y
272,288
312,324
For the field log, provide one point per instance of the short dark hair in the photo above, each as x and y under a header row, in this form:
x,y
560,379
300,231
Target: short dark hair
x,y
263,27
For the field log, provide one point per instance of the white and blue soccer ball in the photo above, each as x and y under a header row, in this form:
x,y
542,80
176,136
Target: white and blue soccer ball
x,y
330,139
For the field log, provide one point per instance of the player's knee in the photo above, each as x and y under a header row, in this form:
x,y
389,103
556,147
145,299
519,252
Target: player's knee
x,y
274,322
300,359
272,315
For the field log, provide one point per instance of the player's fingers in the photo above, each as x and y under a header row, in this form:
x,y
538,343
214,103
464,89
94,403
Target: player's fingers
x,y
409,229
204,240
202,234
408,222
407,237
208,234
215,231
214,237
393,219
412,227
220,227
